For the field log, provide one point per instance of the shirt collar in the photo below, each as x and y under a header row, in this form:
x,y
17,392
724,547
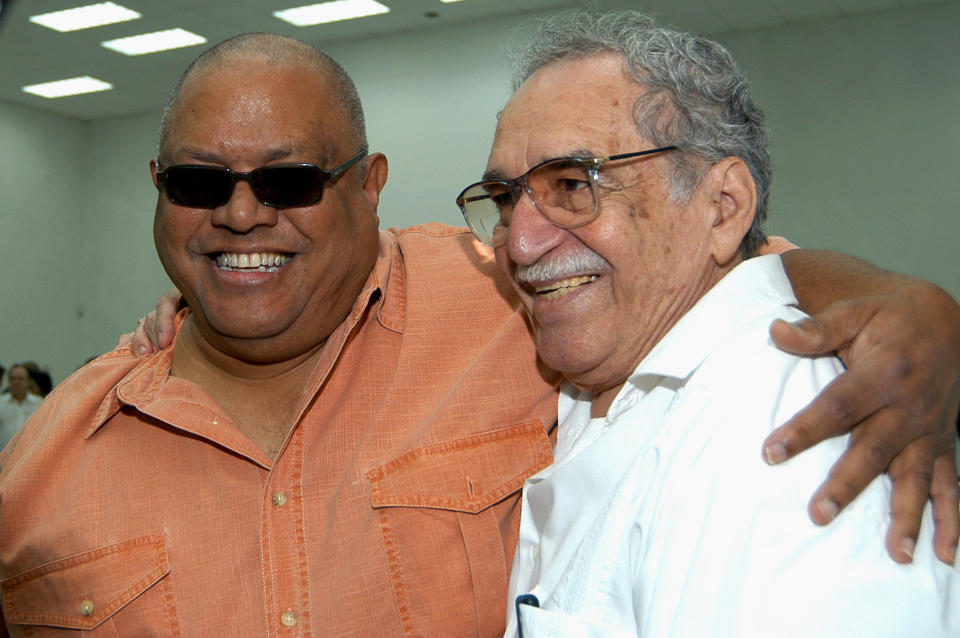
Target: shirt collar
x,y
387,280
717,315
136,383
140,382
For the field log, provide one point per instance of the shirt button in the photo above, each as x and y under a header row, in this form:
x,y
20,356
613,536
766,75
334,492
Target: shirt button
x,y
289,619
86,607
280,499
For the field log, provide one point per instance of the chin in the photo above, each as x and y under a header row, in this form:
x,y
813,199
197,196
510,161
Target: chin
x,y
578,355
563,360
244,325
246,331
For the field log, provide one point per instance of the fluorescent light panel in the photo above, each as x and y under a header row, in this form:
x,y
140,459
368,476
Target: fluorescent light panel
x,y
449,1
70,86
91,15
153,42
335,11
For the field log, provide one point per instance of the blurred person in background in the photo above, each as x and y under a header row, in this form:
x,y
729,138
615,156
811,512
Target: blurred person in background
x,y
40,381
18,404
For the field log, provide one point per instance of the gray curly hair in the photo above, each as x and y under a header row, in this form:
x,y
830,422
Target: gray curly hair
x,y
698,98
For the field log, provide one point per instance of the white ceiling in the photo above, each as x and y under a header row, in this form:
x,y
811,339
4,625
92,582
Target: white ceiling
x,y
30,54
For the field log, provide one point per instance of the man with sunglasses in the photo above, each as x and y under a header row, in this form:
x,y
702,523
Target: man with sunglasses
x,y
317,453
624,199
335,442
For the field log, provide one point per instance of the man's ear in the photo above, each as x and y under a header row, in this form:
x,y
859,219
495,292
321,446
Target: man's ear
x,y
734,196
153,173
375,178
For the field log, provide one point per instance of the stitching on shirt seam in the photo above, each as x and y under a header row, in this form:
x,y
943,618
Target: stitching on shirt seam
x,y
103,613
269,580
527,430
396,574
398,297
469,442
449,231
470,524
170,605
301,539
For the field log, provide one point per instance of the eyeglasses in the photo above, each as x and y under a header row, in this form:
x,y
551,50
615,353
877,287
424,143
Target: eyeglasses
x,y
277,185
566,190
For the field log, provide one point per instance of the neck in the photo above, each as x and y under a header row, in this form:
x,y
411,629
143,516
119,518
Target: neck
x,y
193,352
262,399
602,402
678,306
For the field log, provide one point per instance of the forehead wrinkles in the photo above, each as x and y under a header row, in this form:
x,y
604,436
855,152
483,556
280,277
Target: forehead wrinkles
x,y
576,104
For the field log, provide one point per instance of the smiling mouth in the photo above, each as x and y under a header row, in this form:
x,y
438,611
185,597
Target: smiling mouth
x,y
251,262
557,289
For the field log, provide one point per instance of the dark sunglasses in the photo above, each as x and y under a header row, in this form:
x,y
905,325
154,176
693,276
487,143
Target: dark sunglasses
x,y
278,185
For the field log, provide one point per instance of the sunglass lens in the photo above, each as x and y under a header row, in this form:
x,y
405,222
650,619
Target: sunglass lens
x,y
198,186
290,186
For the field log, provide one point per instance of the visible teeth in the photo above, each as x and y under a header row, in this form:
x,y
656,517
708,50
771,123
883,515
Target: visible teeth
x,y
261,262
564,286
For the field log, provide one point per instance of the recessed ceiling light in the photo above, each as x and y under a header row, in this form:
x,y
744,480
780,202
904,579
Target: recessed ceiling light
x,y
92,15
330,12
449,1
70,86
153,42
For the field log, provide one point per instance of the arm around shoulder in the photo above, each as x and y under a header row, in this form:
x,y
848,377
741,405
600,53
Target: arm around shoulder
x,y
900,339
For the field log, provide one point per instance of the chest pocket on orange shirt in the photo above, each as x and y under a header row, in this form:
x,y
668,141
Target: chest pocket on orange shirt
x,y
465,475
120,589
448,514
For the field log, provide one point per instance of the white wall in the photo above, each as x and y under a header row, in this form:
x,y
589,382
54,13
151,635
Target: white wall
x,y
122,275
431,104
41,213
863,114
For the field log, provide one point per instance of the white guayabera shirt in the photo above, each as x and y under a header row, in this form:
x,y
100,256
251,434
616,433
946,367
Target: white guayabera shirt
x,y
14,414
661,519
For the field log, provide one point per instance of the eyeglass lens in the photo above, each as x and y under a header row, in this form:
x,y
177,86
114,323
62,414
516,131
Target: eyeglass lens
x,y
212,186
562,190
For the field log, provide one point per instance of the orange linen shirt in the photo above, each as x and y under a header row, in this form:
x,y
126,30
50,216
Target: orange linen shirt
x,y
131,505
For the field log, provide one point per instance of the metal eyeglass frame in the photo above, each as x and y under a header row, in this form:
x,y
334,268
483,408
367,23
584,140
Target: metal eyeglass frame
x,y
324,176
514,185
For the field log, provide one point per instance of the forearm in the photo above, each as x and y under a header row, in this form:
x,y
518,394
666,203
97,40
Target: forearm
x,y
821,277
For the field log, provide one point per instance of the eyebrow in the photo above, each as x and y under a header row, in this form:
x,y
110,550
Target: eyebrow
x,y
215,158
495,175
492,175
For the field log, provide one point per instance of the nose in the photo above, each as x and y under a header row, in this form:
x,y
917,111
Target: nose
x,y
243,212
530,234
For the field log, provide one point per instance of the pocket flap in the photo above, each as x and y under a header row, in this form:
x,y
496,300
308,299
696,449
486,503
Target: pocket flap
x,y
467,474
82,591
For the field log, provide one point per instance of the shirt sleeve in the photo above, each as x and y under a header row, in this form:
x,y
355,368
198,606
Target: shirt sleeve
x,y
776,245
799,579
732,552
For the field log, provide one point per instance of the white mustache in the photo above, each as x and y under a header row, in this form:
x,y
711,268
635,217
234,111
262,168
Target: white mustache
x,y
561,267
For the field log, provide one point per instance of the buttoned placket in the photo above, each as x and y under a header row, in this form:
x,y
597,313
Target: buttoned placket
x,y
283,532
283,539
